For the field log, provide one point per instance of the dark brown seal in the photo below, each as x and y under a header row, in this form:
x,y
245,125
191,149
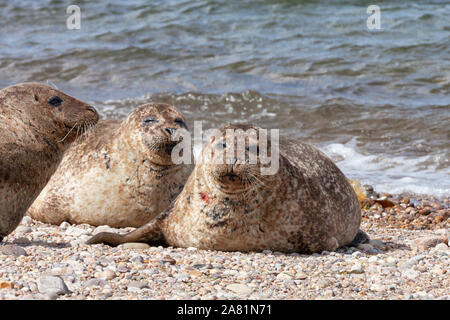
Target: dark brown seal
x,y
37,124
120,175
307,206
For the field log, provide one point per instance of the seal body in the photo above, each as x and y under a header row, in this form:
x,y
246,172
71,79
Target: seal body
x,y
37,124
120,175
306,206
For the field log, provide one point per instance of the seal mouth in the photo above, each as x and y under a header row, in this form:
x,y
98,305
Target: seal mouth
x,y
168,147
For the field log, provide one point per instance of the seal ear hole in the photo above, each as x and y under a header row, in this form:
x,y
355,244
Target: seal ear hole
x,y
36,98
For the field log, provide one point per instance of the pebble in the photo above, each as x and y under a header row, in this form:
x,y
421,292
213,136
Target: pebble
x,y
12,250
64,225
96,283
239,288
107,274
284,276
134,245
76,232
137,284
441,247
357,268
52,284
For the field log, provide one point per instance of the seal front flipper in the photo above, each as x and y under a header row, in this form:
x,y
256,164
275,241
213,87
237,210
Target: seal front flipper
x,y
361,237
150,233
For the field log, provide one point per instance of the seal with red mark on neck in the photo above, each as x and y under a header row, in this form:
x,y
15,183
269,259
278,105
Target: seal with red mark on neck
x,y
120,175
306,206
37,124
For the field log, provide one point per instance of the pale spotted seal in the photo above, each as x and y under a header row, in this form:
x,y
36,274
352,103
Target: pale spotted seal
x,y
120,175
307,206
37,124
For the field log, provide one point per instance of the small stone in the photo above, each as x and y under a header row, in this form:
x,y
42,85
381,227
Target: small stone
x,y
107,274
122,268
411,274
6,285
27,221
137,284
301,276
357,268
64,225
52,284
134,245
23,230
441,247
373,259
239,288
22,241
182,276
365,247
429,242
103,228
377,287
323,283
437,270
12,250
137,260
168,259
391,260
96,283
76,232
51,295
283,276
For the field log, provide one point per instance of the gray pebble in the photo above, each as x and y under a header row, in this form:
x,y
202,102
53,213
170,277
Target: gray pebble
x,y
12,250
52,284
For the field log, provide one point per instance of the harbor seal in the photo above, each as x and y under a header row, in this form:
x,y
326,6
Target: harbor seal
x,y
120,175
37,124
306,206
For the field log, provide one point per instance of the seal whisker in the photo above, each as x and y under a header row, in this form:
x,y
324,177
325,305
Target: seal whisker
x,y
62,140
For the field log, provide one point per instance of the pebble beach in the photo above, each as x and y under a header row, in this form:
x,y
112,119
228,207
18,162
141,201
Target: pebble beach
x,y
407,258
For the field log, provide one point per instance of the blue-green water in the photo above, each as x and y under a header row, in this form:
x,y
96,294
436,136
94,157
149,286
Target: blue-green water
x,y
376,101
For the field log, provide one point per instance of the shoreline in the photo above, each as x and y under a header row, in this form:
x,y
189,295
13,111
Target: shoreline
x,y
407,258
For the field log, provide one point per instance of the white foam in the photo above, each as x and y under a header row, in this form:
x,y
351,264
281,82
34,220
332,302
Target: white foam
x,y
391,174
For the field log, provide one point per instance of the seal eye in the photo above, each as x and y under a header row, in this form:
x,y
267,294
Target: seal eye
x,y
149,120
180,122
55,101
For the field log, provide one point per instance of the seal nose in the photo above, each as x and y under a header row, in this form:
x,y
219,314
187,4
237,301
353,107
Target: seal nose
x,y
92,109
171,131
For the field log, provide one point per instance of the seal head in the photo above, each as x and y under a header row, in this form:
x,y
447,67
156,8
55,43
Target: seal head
x,y
121,174
37,124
